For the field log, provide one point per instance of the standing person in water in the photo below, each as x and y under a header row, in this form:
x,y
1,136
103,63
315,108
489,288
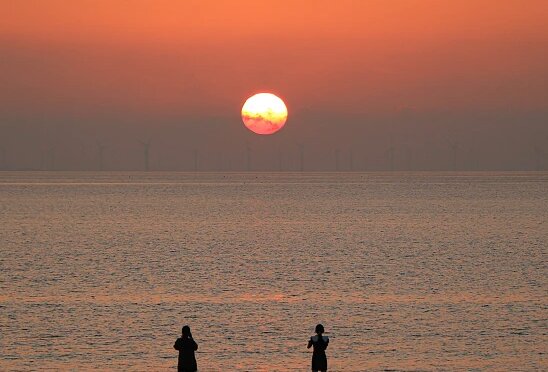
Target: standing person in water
x,y
186,346
319,359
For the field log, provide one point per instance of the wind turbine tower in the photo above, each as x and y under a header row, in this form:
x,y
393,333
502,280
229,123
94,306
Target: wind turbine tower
x,y
454,150
537,154
390,152
146,153
248,156
3,162
101,152
301,157
83,155
50,158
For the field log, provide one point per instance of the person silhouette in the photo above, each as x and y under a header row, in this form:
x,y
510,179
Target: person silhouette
x,y
319,359
186,346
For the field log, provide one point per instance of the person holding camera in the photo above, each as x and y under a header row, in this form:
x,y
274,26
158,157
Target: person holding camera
x,y
320,343
186,346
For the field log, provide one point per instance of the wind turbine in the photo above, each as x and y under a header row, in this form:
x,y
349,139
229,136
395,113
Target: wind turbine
x,y
42,159
50,158
454,145
3,162
390,153
537,154
279,159
301,157
409,157
365,162
248,155
220,166
101,151
146,152
337,155
472,157
83,155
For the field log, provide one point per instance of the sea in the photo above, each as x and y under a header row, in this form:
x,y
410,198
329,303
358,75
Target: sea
x,y
411,271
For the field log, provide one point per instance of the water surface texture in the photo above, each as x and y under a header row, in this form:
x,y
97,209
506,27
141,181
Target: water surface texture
x,y
423,271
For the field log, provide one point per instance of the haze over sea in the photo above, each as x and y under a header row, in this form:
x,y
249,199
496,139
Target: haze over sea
x,y
406,271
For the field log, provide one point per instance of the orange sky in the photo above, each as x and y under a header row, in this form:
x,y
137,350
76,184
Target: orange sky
x,y
167,55
81,61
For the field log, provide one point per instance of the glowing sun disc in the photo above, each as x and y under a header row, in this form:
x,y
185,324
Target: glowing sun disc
x,y
264,113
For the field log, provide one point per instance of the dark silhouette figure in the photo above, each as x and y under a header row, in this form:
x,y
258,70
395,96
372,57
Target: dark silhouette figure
x,y
186,346
319,359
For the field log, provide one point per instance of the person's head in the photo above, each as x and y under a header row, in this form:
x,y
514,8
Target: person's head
x,y
319,329
186,331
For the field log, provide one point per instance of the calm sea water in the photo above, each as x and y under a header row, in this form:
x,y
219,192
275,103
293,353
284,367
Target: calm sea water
x,y
411,271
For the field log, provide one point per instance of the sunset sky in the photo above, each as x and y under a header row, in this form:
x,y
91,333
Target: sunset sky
x,y
358,77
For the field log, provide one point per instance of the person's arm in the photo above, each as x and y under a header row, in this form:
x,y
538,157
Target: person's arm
x,y
309,343
195,345
176,345
326,343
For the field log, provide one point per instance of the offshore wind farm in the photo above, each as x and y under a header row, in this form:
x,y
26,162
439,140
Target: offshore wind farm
x,y
260,185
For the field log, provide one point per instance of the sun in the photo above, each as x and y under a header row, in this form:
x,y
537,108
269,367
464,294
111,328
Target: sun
x,y
264,113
